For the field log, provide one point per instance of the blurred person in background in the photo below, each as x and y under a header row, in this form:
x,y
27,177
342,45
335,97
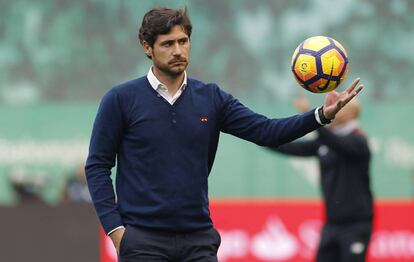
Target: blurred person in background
x,y
162,130
28,185
76,187
344,161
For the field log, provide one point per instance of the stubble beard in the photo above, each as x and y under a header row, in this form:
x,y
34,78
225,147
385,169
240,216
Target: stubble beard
x,y
171,70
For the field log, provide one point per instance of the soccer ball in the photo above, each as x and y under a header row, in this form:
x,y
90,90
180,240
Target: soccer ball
x,y
319,64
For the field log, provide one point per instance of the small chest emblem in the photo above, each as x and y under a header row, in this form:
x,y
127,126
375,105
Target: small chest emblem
x,y
204,118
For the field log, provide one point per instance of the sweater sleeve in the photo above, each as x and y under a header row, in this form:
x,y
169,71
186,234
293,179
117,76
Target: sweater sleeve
x,y
352,145
105,138
240,121
298,148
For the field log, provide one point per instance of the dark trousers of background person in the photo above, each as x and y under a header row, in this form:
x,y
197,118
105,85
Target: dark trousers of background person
x,y
146,245
344,243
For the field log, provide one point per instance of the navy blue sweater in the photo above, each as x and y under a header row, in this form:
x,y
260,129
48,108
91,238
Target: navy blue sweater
x,y
164,153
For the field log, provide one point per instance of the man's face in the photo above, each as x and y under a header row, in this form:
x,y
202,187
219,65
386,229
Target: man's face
x,y
170,52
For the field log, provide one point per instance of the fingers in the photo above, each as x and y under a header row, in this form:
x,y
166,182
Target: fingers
x,y
360,87
351,95
353,85
355,92
346,97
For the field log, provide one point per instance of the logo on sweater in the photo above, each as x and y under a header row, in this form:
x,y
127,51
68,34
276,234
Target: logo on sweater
x,y
204,118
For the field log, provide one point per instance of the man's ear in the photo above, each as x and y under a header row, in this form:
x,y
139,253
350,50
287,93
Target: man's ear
x,y
147,48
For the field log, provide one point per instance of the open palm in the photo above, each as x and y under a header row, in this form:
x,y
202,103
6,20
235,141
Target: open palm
x,y
334,100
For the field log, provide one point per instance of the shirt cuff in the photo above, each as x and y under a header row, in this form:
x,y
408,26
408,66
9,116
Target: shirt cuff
x,y
113,230
317,116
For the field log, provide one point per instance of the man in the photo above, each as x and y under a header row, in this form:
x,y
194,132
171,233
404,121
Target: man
x,y
163,130
344,158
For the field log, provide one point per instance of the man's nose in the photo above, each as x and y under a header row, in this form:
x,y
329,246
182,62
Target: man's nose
x,y
177,49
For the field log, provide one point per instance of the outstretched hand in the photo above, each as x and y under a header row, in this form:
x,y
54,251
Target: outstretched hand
x,y
334,100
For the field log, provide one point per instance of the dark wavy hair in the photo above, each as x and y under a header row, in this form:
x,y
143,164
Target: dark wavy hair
x,y
159,21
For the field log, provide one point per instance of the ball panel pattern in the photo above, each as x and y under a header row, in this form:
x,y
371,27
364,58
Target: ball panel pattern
x,y
319,64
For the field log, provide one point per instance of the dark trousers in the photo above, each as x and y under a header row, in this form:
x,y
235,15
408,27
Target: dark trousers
x,y
142,245
344,243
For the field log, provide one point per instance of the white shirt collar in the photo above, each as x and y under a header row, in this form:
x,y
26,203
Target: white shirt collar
x,y
156,84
